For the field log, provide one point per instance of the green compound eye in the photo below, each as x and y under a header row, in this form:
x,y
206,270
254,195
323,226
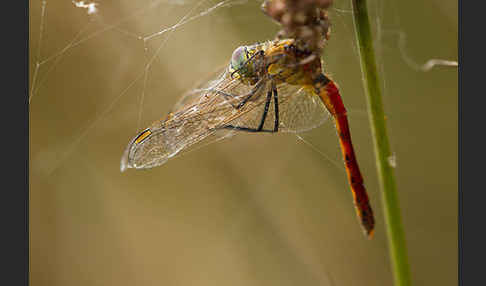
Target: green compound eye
x,y
239,58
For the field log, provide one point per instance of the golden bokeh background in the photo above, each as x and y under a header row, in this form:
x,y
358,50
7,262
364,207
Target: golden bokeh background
x,y
251,210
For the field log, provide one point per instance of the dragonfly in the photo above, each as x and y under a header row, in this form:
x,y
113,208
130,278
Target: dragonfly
x,y
268,87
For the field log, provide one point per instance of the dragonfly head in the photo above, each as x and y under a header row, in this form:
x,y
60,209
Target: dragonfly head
x,y
243,64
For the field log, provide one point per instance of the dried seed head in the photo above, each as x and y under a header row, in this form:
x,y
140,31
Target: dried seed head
x,y
306,21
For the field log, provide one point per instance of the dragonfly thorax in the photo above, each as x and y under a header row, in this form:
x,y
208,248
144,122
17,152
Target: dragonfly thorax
x,y
279,61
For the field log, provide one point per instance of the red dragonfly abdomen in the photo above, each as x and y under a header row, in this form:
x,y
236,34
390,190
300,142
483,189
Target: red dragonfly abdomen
x,y
331,98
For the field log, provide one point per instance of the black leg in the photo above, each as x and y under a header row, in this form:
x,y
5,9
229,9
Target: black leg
x,y
245,100
230,96
250,94
265,111
246,129
262,122
275,110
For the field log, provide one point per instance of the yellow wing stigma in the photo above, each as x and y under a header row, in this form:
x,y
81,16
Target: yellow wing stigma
x,y
142,136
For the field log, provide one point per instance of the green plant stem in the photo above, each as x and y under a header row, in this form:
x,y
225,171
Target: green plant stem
x,y
386,177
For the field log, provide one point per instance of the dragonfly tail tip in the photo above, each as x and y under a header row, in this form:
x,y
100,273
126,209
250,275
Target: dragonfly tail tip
x,y
370,233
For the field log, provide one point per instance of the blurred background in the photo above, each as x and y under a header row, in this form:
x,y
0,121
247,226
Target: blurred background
x,y
254,209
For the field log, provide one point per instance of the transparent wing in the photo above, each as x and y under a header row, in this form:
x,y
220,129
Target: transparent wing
x,y
298,107
212,80
301,109
204,114
196,119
